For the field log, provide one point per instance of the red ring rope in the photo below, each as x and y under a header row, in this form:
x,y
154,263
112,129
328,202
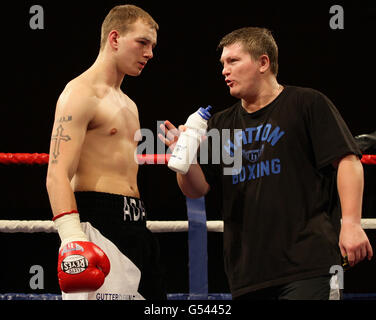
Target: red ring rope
x,y
368,159
42,158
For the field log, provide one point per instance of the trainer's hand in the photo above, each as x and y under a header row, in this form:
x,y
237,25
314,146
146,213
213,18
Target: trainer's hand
x,y
354,243
82,267
171,134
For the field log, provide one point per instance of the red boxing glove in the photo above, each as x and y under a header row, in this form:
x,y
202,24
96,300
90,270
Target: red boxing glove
x,y
82,267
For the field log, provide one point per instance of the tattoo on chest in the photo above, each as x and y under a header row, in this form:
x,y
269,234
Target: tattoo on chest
x,y
56,140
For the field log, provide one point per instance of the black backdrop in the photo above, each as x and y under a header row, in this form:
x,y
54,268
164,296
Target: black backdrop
x,y
184,74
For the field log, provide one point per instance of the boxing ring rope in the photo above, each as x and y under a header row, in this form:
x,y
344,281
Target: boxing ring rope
x,y
12,226
42,158
196,226
31,226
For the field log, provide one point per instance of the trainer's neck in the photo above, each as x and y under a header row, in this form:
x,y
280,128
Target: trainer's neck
x,y
264,95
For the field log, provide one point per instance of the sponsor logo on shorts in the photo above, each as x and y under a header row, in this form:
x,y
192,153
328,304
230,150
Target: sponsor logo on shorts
x,y
74,264
115,296
134,210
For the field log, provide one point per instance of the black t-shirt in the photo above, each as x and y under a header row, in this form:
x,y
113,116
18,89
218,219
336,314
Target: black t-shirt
x,y
279,208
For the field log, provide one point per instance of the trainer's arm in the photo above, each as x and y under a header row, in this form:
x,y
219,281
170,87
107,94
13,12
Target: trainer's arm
x,y
74,111
193,184
350,181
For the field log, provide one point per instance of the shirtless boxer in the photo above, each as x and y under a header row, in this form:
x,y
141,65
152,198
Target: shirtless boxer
x,y
92,174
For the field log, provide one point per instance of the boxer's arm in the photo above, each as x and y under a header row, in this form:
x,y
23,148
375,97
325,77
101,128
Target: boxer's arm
x,y
74,110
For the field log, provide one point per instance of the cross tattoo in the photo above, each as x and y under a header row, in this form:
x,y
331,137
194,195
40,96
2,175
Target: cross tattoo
x,y
58,137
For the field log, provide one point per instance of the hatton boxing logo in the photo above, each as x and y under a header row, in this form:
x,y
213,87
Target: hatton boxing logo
x,y
74,264
254,168
253,155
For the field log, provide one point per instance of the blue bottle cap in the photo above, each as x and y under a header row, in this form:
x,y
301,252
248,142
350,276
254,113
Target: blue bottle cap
x,y
205,112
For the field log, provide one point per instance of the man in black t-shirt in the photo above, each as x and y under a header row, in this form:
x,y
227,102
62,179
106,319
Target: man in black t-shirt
x,y
282,230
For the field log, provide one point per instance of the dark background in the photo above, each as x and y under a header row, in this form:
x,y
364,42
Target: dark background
x,y
184,74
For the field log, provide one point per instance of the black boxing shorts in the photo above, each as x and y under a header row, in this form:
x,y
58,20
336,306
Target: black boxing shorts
x,y
117,224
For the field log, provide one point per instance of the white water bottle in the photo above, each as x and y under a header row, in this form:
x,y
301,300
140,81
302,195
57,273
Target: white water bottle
x,y
186,147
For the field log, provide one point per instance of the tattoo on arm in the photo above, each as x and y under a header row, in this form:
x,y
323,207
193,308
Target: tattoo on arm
x,y
64,119
58,137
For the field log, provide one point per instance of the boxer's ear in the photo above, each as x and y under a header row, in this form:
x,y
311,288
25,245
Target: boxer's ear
x,y
113,38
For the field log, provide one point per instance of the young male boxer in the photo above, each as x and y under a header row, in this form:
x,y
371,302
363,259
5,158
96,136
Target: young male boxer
x,y
92,174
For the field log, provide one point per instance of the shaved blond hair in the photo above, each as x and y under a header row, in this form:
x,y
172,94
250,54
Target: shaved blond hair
x,y
120,18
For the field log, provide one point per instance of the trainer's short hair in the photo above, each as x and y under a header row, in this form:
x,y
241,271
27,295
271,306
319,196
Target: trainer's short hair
x,y
257,41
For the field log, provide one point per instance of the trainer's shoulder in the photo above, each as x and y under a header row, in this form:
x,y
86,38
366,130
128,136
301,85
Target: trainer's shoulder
x,y
308,100
304,92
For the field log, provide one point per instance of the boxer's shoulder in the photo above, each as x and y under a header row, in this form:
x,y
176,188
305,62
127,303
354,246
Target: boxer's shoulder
x,y
83,88
78,96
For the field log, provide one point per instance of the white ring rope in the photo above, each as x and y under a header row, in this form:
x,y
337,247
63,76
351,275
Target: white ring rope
x,y
31,226
368,223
